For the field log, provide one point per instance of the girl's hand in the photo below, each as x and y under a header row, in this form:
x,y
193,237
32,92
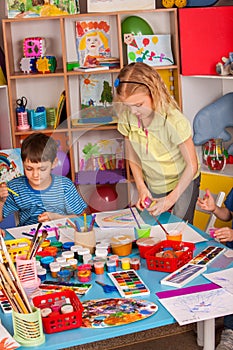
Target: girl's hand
x,y
160,205
3,192
224,234
142,194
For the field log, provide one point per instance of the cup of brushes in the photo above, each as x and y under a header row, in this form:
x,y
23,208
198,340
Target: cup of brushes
x,y
85,236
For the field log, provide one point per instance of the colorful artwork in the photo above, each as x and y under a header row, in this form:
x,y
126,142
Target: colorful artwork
x,y
35,8
11,165
93,41
154,50
6,340
119,218
129,284
101,155
96,90
115,312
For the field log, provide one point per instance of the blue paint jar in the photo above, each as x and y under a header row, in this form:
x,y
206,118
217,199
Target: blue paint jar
x,y
67,245
46,261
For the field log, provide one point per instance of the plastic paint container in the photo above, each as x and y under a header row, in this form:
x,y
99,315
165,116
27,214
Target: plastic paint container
x,y
75,248
54,268
67,245
56,244
125,263
135,263
68,255
121,245
46,261
111,265
51,250
66,309
101,252
87,258
60,259
81,252
114,258
64,275
45,244
41,273
99,267
174,235
145,244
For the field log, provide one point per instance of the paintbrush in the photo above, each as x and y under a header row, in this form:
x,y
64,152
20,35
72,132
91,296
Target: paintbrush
x,y
134,216
38,243
162,227
14,274
33,241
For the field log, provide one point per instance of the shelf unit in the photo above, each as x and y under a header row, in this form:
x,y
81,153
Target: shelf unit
x,y
60,38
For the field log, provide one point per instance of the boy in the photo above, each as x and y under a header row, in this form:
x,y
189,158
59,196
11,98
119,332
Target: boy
x,y
42,196
224,235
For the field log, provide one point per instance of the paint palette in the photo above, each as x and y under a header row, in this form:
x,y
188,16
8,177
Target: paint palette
x,y
4,303
112,312
207,255
128,283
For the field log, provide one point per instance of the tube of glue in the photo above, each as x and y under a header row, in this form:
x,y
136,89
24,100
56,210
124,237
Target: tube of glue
x,y
148,202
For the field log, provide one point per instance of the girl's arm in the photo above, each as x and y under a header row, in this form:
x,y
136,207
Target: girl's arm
x,y
188,152
136,169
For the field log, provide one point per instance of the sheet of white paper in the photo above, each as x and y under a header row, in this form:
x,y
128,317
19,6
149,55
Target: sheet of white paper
x,y
199,306
189,234
119,218
224,278
60,224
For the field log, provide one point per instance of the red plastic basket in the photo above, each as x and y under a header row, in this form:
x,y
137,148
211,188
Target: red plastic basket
x,y
169,264
60,322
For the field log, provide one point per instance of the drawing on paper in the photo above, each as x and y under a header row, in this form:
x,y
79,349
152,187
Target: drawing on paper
x,y
11,165
118,218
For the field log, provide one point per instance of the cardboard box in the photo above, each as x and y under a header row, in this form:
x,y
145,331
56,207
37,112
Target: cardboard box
x,y
119,5
38,8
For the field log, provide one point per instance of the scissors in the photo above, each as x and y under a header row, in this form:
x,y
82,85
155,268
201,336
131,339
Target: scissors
x,y
107,288
21,103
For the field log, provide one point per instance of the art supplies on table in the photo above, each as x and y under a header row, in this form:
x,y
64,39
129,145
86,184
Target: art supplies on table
x,y
207,255
183,275
115,312
54,286
128,283
4,303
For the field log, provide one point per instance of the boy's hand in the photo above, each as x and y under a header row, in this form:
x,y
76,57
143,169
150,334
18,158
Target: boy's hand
x,y
48,216
224,234
207,202
3,192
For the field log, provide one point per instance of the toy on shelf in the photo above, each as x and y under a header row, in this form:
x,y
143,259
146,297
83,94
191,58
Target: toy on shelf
x,y
34,47
225,68
35,60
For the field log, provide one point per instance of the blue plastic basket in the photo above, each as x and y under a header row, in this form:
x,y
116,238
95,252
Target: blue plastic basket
x,y
38,118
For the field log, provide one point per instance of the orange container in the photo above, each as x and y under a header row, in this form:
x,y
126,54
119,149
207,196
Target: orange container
x,y
121,245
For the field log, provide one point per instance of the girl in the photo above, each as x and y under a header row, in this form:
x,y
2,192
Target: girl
x,y
159,143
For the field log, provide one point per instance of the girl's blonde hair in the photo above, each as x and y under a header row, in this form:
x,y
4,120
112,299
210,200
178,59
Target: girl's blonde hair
x,y
103,38
137,78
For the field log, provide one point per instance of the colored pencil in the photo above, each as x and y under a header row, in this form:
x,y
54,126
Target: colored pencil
x,y
85,221
13,192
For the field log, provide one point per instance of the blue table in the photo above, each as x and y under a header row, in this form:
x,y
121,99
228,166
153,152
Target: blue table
x,y
161,318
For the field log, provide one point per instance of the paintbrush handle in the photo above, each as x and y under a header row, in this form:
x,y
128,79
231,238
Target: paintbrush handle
x,y
163,228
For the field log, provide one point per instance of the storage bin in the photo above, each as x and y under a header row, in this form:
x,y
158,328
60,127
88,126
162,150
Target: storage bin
x,y
17,247
183,251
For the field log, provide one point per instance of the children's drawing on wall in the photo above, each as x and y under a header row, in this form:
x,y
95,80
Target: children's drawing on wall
x,y
105,154
96,90
93,41
154,50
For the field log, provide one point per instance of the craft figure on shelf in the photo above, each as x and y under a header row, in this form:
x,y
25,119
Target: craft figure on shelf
x,y
225,68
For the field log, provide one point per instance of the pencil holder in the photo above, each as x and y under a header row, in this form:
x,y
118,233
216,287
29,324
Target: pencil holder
x,y
27,272
86,239
28,328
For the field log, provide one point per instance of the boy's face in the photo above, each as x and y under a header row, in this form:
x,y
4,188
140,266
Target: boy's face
x,y
38,174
